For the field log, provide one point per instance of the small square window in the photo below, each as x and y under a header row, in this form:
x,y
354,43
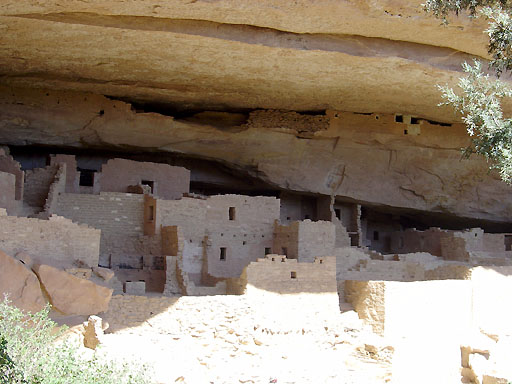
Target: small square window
x,y
267,251
149,183
293,274
86,177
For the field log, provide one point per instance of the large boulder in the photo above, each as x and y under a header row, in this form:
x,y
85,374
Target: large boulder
x,y
20,283
72,295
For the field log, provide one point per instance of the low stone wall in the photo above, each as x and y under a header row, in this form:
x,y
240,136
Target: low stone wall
x,y
409,309
57,241
276,273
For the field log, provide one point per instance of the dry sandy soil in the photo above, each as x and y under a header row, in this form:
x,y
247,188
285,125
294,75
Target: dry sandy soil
x,y
242,339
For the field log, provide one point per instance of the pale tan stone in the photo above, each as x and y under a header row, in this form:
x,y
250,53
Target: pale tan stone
x,y
72,295
105,273
93,332
21,284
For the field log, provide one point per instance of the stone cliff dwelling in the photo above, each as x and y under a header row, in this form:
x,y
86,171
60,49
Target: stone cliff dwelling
x,y
141,220
264,155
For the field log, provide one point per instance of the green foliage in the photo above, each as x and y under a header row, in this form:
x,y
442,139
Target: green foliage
x,y
480,105
480,98
32,353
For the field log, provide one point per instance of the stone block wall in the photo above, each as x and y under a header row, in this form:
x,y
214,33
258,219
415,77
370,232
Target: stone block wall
x,y
278,274
286,240
188,213
246,210
305,240
316,239
57,187
9,165
441,308
168,182
7,192
230,248
56,241
119,216
72,175
37,185
113,213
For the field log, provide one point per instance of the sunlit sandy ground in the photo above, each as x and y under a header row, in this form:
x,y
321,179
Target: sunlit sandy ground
x,y
239,339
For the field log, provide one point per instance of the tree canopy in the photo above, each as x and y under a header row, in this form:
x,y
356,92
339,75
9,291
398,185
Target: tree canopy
x,y
480,95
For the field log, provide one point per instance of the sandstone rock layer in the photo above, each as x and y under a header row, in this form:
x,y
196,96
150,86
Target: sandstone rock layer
x,y
20,284
72,295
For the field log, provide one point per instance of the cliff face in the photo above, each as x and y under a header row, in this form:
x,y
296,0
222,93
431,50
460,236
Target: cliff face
x,y
246,60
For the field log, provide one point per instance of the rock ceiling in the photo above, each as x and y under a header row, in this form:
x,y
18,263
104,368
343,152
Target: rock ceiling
x,y
379,56
93,73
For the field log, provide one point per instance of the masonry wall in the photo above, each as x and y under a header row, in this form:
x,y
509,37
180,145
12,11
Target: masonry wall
x,y
286,240
57,187
113,213
316,239
9,165
37,185
242,225
168,182
278,274
242,245
438,308
187,213
120,218
7,192
72,175
56,241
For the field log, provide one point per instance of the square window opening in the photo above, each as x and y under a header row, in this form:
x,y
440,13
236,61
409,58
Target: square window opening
x,y
267,251
293,274
149,183
86,177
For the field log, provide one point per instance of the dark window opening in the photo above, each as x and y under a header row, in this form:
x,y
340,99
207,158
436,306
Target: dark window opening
x,y
223,253
399,118
244,242
288,218
321,261
293,274
86,177
508,243
415,120
375,235
306,217
149,183
232,213
405,132
284,251
337,212
267,251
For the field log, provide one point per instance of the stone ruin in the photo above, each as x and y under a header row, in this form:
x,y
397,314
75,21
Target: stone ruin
x,y
134,228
